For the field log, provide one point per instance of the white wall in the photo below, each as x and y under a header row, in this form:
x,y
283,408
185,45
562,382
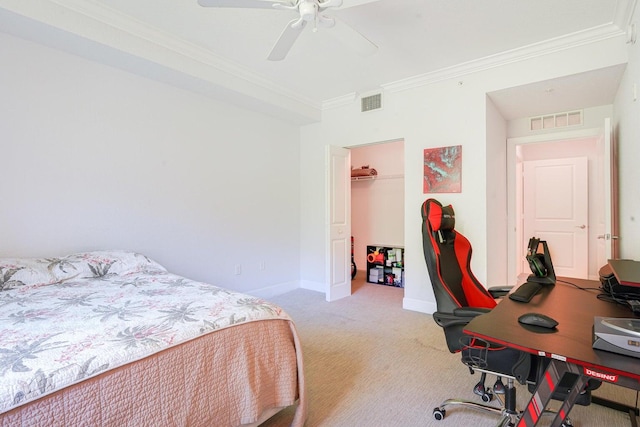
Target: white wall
x,y
445,112
496,197
627,131
377,206
95,158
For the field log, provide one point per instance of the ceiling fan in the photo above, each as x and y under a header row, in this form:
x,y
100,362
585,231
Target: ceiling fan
x,y
310,11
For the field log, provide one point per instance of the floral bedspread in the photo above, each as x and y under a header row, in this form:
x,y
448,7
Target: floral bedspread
x,y
63,320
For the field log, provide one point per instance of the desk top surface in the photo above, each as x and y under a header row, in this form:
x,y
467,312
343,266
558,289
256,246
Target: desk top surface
x,y
574,309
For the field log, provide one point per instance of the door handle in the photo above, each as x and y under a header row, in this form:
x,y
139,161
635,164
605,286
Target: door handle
x,y
582,227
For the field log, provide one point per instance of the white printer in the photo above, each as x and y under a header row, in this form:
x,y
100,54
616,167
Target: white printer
x,y
617,335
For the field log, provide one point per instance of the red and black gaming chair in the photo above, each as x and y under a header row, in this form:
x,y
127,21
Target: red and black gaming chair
x,y
460,297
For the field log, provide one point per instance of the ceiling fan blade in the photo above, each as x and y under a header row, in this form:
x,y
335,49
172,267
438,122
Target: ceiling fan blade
x,y
287,38
352,38
251,4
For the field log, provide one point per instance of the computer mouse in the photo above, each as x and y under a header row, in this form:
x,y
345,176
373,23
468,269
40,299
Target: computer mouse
x,y
537,319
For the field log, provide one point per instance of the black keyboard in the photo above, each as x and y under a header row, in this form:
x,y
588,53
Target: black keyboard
x,y
525,292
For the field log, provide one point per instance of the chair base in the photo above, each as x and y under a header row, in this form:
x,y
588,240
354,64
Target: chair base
x,y
506,396
509,415
506,418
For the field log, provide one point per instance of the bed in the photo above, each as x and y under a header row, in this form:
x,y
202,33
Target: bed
x,y
111,338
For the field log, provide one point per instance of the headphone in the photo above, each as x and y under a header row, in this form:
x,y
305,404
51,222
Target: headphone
x,y
536,260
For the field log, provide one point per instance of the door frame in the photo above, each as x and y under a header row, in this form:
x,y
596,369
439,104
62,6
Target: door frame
x,y
515,241
329,195
608,232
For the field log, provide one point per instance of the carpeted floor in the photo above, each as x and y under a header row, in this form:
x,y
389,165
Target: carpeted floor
x,y
368,362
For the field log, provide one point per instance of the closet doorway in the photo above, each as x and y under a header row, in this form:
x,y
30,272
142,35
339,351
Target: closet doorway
x,y
377,200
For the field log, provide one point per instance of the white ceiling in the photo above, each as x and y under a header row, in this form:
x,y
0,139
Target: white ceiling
x,y
222,52
589,89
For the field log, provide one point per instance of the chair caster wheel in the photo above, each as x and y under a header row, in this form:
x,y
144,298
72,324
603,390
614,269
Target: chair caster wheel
x,y
438,413
487,397
479,389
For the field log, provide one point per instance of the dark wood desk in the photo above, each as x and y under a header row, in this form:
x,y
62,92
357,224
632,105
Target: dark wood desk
x,y
569,346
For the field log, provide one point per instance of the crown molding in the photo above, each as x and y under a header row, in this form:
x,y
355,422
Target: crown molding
x,y
339,101
547,47
97,22
102,24
124,23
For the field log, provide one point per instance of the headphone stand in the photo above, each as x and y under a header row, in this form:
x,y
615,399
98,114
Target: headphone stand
x,y
550,277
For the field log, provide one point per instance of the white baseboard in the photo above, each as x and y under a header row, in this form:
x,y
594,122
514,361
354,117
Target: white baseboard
x,y
419,305
271,291
313,286
281,288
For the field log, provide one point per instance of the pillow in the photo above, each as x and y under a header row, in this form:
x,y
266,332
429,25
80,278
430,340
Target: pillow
x,y
17,272
102,264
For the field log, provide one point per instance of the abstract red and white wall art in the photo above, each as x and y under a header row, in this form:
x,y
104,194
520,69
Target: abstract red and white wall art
x,y
443,170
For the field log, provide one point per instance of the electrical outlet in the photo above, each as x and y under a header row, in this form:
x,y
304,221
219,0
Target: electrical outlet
x,y
263,265
238,269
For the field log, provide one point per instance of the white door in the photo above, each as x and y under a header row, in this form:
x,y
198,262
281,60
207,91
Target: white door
x,y
607,247
338,245
555,200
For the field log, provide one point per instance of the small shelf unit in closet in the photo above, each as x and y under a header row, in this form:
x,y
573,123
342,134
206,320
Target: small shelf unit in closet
x,y
385,265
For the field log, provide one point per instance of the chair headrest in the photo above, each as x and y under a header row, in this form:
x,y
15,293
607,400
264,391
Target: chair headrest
x,y
441,217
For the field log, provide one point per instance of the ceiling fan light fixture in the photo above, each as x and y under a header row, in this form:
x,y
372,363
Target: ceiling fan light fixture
x,y
308,10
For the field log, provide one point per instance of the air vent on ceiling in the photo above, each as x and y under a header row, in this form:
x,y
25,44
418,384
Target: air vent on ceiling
x,y
558,120
371,102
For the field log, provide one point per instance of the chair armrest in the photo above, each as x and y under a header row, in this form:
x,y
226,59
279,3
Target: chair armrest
x,y
470,312
454,324
499,291
460,316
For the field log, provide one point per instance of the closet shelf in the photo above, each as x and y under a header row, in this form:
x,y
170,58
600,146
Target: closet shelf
x,y
374,177
363,178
